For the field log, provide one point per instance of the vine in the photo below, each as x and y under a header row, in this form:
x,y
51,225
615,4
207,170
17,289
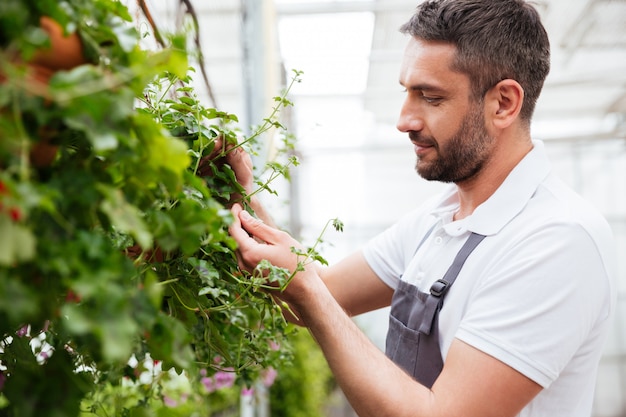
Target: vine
x,y
120,292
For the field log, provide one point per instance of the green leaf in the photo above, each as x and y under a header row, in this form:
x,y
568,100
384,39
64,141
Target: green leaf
x,y
168,341
117,337
17,242
153,289
207,272
163,151
171,60
124,216
214,292
17,300
77,322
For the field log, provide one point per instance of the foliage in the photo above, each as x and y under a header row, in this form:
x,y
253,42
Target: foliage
x,y
302,388
115,259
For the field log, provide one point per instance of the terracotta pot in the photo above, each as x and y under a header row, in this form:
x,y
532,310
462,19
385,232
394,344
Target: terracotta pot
x,y
42,153
151,255
65,52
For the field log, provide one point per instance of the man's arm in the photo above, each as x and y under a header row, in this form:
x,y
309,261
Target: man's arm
x,y
355,286
352,282
472,383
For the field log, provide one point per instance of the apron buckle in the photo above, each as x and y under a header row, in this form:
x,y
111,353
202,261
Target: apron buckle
x,y
439,288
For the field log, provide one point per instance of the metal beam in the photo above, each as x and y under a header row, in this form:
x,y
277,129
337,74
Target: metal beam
x,y
313,7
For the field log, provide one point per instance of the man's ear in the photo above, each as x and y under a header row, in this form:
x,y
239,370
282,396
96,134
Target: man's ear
x,y
504,102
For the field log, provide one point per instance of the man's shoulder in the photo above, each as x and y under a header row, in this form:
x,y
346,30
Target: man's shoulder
x,y
558,213
557,200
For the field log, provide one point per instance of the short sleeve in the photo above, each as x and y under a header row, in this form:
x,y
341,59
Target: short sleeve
x,y
537,305
389,253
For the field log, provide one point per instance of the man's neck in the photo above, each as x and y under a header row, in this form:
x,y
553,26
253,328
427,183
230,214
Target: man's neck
x,y
476,190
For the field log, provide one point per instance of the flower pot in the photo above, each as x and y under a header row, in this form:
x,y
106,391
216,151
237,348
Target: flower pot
x,y
65,52
43,153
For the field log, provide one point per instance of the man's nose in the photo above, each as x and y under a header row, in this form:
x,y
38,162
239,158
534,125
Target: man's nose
x,y
410,118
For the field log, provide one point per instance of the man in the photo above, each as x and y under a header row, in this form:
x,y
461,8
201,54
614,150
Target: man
x,y
499,288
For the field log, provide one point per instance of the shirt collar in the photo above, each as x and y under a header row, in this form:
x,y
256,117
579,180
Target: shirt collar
x,y
503,205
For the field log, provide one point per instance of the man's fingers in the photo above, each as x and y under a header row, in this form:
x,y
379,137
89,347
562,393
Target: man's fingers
x,y
249,231
259,230
241,163
236,229
244,241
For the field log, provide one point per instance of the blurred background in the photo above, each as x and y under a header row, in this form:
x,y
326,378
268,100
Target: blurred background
x,y
356,167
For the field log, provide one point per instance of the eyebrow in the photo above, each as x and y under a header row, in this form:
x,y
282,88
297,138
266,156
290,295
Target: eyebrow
x,y
423,87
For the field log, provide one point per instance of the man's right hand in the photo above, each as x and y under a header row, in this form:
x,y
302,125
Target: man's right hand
x,y
233,155
241,164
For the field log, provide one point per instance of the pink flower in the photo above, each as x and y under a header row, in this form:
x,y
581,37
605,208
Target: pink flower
x,y
274,345
247,391
169,402
209,384
224,379
23,331
269,376
221,379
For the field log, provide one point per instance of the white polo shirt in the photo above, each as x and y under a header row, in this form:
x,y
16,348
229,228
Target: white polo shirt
x,y
536,293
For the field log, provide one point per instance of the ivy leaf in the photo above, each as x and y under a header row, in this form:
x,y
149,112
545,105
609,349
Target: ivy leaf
x,y
117,337
168,341
17,242
214,292
170,153
17,301
153,290
163,150
172,60
207,272
124,216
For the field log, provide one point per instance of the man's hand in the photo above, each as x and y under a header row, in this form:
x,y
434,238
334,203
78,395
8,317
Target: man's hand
x,y
233,155
257,242
241,164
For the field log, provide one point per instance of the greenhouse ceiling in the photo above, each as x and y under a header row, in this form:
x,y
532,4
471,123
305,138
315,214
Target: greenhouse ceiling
x,y
587,84
354,48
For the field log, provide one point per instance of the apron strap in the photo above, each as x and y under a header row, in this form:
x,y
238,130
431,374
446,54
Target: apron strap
x,y
440,287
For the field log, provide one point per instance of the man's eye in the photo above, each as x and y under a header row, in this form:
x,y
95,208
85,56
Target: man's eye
x,y
431,100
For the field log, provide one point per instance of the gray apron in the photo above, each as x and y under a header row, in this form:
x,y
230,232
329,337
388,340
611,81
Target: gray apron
x,y
413,335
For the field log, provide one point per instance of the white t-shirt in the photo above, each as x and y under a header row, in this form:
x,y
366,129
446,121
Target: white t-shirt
x,y
536,293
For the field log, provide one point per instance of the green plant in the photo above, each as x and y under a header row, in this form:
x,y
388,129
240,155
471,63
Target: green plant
x,y
118,250
302,389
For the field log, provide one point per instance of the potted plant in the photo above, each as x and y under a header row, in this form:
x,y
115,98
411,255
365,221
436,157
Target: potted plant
x,y
86,326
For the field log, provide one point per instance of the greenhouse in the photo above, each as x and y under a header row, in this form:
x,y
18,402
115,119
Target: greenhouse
x,y
133,284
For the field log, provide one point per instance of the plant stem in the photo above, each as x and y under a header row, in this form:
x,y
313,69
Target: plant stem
x,y
282,102
181,301
308,255
23,141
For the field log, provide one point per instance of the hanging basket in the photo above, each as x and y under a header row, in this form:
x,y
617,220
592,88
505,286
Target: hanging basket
x,y
65,52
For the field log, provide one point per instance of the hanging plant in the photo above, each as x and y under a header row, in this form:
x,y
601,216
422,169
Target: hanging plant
x,y
119,285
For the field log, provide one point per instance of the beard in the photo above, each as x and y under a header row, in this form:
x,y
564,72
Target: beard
x,y
464,154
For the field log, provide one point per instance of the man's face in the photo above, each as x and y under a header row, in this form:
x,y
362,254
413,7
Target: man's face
x,y
446,126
